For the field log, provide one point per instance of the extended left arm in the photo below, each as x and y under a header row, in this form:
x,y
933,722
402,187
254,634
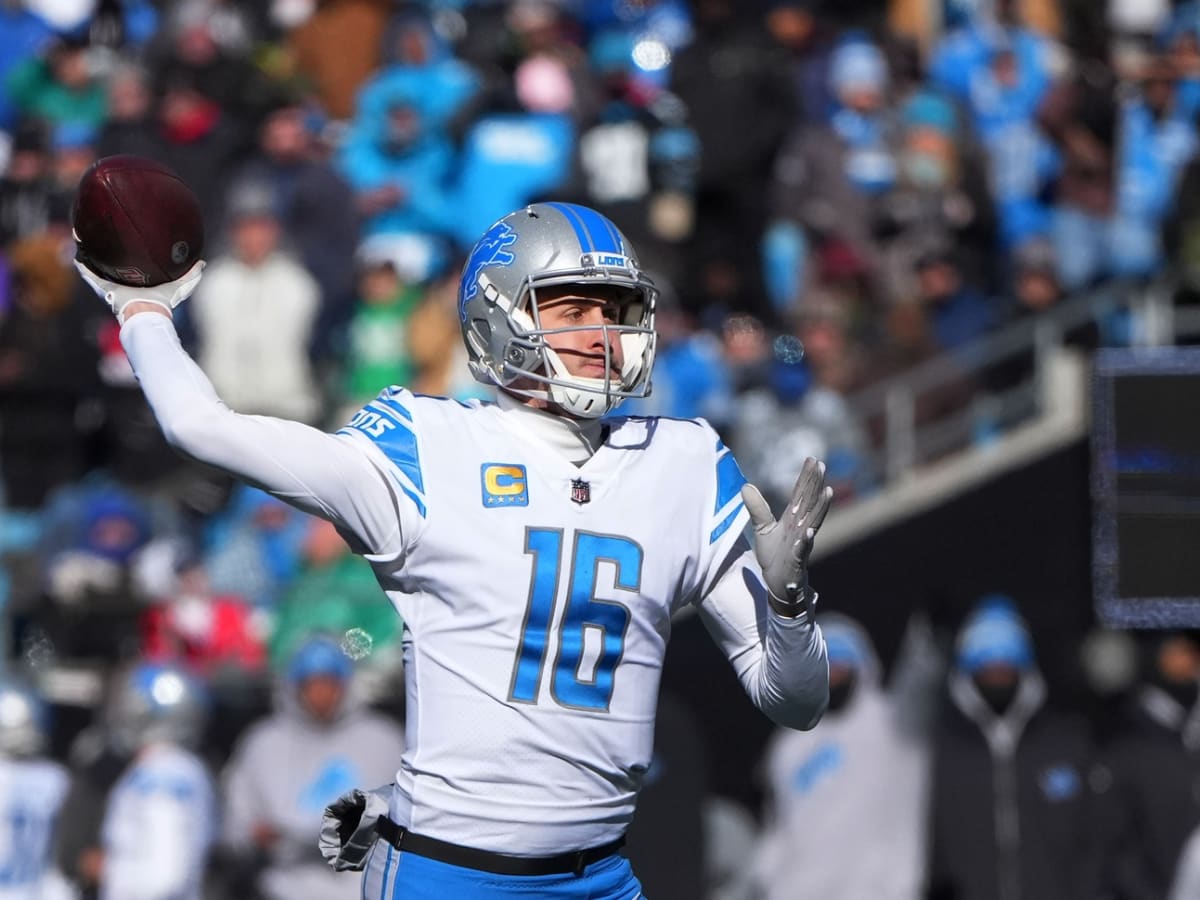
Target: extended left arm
x,y
780,660
761,609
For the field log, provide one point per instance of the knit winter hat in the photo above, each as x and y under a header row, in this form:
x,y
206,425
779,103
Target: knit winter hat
x,y
994,634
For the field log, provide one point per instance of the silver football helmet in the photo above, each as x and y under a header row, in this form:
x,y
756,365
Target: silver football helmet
x,y
154,703
543,245
23,719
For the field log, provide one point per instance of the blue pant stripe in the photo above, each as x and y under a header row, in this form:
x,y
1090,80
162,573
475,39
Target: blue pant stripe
x,y
387,868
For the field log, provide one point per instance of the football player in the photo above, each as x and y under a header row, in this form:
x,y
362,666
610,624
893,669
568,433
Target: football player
x,y
32,789
536,548
160,816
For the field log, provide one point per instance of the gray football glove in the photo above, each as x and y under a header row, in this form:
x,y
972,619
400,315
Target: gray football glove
x,y
118,296
348,827
782,546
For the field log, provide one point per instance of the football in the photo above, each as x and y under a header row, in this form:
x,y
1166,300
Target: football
x,y
136,222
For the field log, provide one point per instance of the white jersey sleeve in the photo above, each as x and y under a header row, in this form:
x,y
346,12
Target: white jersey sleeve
x,y
780,662
328,475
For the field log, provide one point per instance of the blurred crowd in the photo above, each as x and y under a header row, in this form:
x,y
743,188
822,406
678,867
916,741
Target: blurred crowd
x,y
827,193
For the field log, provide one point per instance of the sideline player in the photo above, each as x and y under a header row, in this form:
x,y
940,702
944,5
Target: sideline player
x,y
536,551
32,789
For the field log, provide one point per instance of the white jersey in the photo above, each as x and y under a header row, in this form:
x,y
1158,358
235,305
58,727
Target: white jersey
x,y
31,796
537,595
159,823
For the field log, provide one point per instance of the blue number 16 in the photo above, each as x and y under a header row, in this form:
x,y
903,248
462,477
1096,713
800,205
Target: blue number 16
x,y
567,686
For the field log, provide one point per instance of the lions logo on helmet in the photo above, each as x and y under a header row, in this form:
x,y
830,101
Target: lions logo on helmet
x,y
543,245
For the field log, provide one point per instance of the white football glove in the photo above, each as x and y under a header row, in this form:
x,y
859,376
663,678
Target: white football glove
x,y
782,546
118,296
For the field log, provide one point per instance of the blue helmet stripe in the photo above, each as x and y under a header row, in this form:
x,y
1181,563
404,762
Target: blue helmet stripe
x,y
595,233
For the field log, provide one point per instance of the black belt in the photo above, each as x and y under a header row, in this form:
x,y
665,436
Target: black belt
x,y
486,861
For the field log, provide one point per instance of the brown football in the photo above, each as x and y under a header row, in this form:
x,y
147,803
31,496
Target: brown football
x,y
136,222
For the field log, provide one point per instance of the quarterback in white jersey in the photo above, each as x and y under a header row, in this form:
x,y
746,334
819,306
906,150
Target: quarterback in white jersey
x,y
536,548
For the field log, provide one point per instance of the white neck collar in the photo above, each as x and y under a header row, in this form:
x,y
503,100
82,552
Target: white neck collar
x,y
575,439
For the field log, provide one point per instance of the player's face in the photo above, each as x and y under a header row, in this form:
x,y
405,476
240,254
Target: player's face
x,y
586,309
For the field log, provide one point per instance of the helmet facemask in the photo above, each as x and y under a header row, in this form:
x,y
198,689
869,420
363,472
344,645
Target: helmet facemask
x,y
530,367
549,245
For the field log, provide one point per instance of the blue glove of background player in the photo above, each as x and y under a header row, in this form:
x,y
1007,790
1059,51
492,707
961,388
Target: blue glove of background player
x,y
783,545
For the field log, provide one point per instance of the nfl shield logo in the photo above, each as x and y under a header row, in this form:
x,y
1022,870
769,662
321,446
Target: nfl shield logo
x,y
581,491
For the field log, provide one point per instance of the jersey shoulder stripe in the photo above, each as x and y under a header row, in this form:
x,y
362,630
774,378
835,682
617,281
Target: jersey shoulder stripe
x,y
729,489
388,424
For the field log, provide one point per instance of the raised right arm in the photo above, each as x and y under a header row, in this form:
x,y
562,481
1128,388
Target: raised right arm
x,y
324,474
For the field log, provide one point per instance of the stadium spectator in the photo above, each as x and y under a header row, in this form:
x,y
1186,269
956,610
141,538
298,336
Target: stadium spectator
x,y
337,49
1147,820
22,36
93,532
390,275
335,592
207,46
1002,72
316,211
130,125
199,141
27,185
47,372
400,168
957,311
872,755
256,280
254,546
940,198
829,176
1012,804
59,85
319,743
731,80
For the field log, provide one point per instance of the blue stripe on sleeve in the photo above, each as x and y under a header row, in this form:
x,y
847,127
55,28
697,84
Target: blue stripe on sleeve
x,y
400,446
394,406
414,498
729,477
724,526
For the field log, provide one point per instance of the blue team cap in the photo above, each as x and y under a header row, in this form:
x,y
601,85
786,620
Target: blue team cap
x,y
319,656
857,63
927,110
994,634
843,646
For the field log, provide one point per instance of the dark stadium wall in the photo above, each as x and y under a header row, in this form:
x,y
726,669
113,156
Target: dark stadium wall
x,y
1026,534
